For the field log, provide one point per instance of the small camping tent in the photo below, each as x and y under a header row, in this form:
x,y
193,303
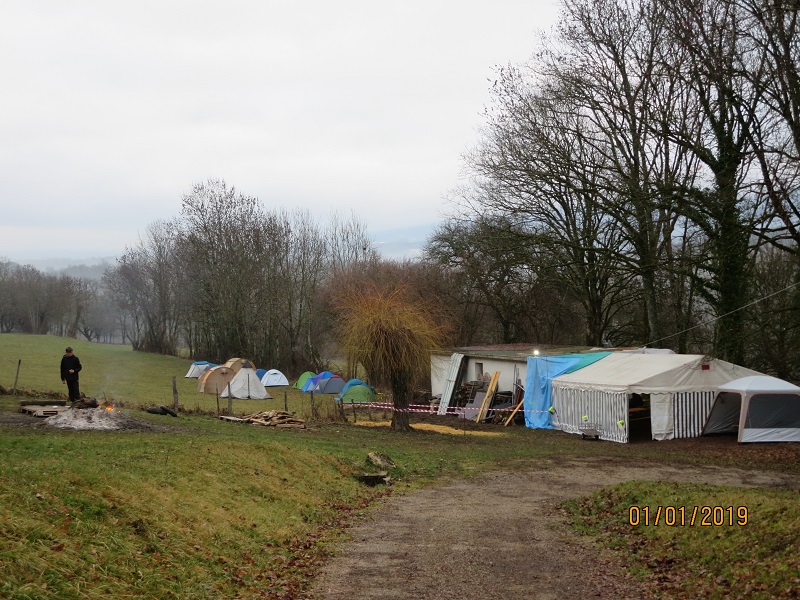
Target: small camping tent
x,y
274,377
245,384
238,363
358,394
301,381
312,382
353,382
198,368
331,385
758,408
214,380
261,373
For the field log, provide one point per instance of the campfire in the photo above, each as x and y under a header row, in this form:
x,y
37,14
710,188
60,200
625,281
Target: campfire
x,y
105,416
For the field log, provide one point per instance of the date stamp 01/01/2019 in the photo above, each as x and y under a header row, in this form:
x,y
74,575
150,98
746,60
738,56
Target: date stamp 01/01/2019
x,y
682,516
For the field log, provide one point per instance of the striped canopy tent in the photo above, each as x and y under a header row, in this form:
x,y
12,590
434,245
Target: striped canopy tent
x,y
681,388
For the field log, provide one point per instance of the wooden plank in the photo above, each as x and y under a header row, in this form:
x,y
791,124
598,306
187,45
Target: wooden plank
x,y
517,391
487,399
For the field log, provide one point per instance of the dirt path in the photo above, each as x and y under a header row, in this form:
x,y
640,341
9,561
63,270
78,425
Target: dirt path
x,y
498,536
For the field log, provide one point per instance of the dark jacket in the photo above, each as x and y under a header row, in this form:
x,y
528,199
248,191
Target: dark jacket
x,y
67,363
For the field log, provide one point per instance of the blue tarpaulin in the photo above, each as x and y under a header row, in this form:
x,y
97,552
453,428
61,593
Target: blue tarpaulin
x,y
538,383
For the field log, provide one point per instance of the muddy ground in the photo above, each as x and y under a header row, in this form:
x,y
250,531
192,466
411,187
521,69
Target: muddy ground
x,y
500,536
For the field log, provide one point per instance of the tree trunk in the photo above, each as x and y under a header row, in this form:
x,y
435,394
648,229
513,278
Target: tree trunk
x,y
400,416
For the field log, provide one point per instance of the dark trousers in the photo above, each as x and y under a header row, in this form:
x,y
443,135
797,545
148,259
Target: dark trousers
x,y
74,390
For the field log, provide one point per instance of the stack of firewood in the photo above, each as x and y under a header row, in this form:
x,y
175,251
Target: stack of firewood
x,y
270,418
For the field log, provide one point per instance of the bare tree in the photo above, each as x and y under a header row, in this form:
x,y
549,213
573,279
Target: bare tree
x,y
10,308
715,51
501,272
144,284
539,164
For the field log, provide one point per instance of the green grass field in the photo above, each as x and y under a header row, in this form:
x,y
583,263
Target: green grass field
x,y
210,509
134,379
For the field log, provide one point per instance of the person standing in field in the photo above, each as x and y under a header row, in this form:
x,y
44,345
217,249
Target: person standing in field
x,y
70,367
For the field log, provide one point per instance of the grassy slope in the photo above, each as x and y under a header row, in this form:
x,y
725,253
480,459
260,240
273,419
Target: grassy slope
x,y
210,509
747,552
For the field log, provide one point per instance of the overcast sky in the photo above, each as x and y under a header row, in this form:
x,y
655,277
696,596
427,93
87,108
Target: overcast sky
x,y
110,111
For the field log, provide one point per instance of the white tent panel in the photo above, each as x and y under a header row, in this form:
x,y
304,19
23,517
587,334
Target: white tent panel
x,y
770,435
758,383
662,416
245,384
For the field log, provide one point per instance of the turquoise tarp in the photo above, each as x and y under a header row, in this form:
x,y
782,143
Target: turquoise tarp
x,y
538,383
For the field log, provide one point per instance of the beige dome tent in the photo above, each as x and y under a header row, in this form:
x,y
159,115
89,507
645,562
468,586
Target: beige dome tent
x,y
237,363
215,379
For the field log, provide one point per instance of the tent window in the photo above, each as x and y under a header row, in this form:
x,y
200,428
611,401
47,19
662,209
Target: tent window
x,y
478,371
774,411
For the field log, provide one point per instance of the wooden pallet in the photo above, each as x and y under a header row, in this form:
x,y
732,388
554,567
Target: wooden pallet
x,y
43,411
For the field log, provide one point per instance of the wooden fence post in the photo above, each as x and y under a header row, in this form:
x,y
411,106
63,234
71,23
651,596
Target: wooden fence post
x,y
16,377
174,394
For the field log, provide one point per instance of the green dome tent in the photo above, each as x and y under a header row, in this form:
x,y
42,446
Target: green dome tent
x,y
358,394
302,379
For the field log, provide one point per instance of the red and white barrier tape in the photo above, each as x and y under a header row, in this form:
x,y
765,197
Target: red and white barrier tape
x,y
424,408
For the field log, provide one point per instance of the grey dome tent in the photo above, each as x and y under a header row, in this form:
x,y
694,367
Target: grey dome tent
x,y
758,409
331,385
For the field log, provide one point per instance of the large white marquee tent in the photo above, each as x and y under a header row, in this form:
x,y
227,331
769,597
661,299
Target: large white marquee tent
x,y
681,388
